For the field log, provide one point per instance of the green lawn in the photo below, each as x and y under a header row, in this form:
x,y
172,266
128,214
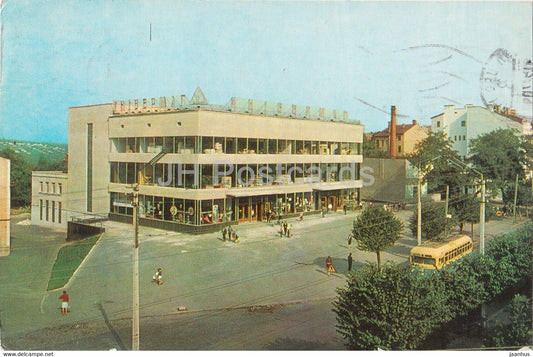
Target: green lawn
x,y
68,260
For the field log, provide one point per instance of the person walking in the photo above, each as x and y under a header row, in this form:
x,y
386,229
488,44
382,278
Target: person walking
x,y
289,226
64,302
350,237
158,276
350,261
329,266
224,233
345,208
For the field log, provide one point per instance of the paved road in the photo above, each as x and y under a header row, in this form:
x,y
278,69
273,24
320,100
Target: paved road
x,y
215,281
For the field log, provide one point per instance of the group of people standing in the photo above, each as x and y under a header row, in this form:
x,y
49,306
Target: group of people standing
x,y
285,229
231,234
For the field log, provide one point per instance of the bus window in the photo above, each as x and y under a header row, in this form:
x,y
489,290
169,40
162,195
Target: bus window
x,y
420,260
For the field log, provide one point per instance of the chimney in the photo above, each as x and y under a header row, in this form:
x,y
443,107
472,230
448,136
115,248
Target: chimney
x,y
497,108
392,133
513,112
415,122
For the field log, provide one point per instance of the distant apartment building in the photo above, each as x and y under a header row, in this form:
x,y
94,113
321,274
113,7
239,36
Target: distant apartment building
x,y
464,124
402,136
196,166
5,207
48,192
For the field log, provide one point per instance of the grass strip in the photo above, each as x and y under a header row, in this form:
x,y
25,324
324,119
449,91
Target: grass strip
x,y
68,260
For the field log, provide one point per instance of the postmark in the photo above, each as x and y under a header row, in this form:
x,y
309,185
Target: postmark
x,y
506,80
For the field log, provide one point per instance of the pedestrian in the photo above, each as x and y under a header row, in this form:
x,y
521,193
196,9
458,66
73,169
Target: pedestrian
x,y
350,261
236,237
224,233
302,216
329,266
269,216
289,230
350,237
230,233
64,303
158,276
345,208
323,211
285,227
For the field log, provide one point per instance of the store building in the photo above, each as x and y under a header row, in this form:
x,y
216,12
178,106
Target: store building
x,y
47,204
196,166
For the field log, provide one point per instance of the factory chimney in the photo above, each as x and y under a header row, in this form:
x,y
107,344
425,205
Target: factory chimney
x,y
392,133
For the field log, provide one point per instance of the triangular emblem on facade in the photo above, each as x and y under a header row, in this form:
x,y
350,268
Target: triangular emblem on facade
x,y
198,97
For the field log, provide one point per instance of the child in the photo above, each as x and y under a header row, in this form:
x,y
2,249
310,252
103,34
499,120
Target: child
x,y
158,276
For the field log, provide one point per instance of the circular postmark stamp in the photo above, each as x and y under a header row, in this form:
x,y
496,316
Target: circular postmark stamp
x,y
507,80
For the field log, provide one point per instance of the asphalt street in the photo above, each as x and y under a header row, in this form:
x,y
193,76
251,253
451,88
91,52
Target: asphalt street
x,y
264,292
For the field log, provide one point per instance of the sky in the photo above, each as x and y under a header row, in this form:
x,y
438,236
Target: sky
x,y
361,57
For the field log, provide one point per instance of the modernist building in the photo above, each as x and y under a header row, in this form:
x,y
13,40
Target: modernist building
x,y
464,124
403,136
195,164
47,204
5,206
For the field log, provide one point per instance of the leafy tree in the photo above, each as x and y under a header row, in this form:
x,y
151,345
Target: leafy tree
x,y
389,308
433,221
433,156
523,197
20,178
500,155
376,229
370,149
466,210
46,165
518,332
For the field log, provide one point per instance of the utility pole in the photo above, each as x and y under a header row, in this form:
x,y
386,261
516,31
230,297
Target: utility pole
x,y
446,212
482,219
515,194
135,342
419,210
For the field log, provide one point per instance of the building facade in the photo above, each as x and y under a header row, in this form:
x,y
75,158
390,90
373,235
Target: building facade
x,y
399,140
462,125
5,207
194,165
47,199
390,180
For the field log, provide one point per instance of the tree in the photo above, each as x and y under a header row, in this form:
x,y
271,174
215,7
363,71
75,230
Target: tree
x,y
433,221
466,210
518,332
433,157
500,155
20,178
370,149
389,308
376,229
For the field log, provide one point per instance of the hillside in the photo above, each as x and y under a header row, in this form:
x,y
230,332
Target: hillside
x,y
33,150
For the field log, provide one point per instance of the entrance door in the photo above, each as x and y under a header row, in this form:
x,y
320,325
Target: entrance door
x,y
333,202
244,211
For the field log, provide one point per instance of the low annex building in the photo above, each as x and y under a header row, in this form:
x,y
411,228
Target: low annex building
x,y
197,166
47,199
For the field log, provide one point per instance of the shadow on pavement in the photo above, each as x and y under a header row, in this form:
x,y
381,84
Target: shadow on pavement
x,y
110,327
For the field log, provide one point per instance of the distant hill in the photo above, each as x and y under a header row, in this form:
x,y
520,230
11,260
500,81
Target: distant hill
x,y
33,150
